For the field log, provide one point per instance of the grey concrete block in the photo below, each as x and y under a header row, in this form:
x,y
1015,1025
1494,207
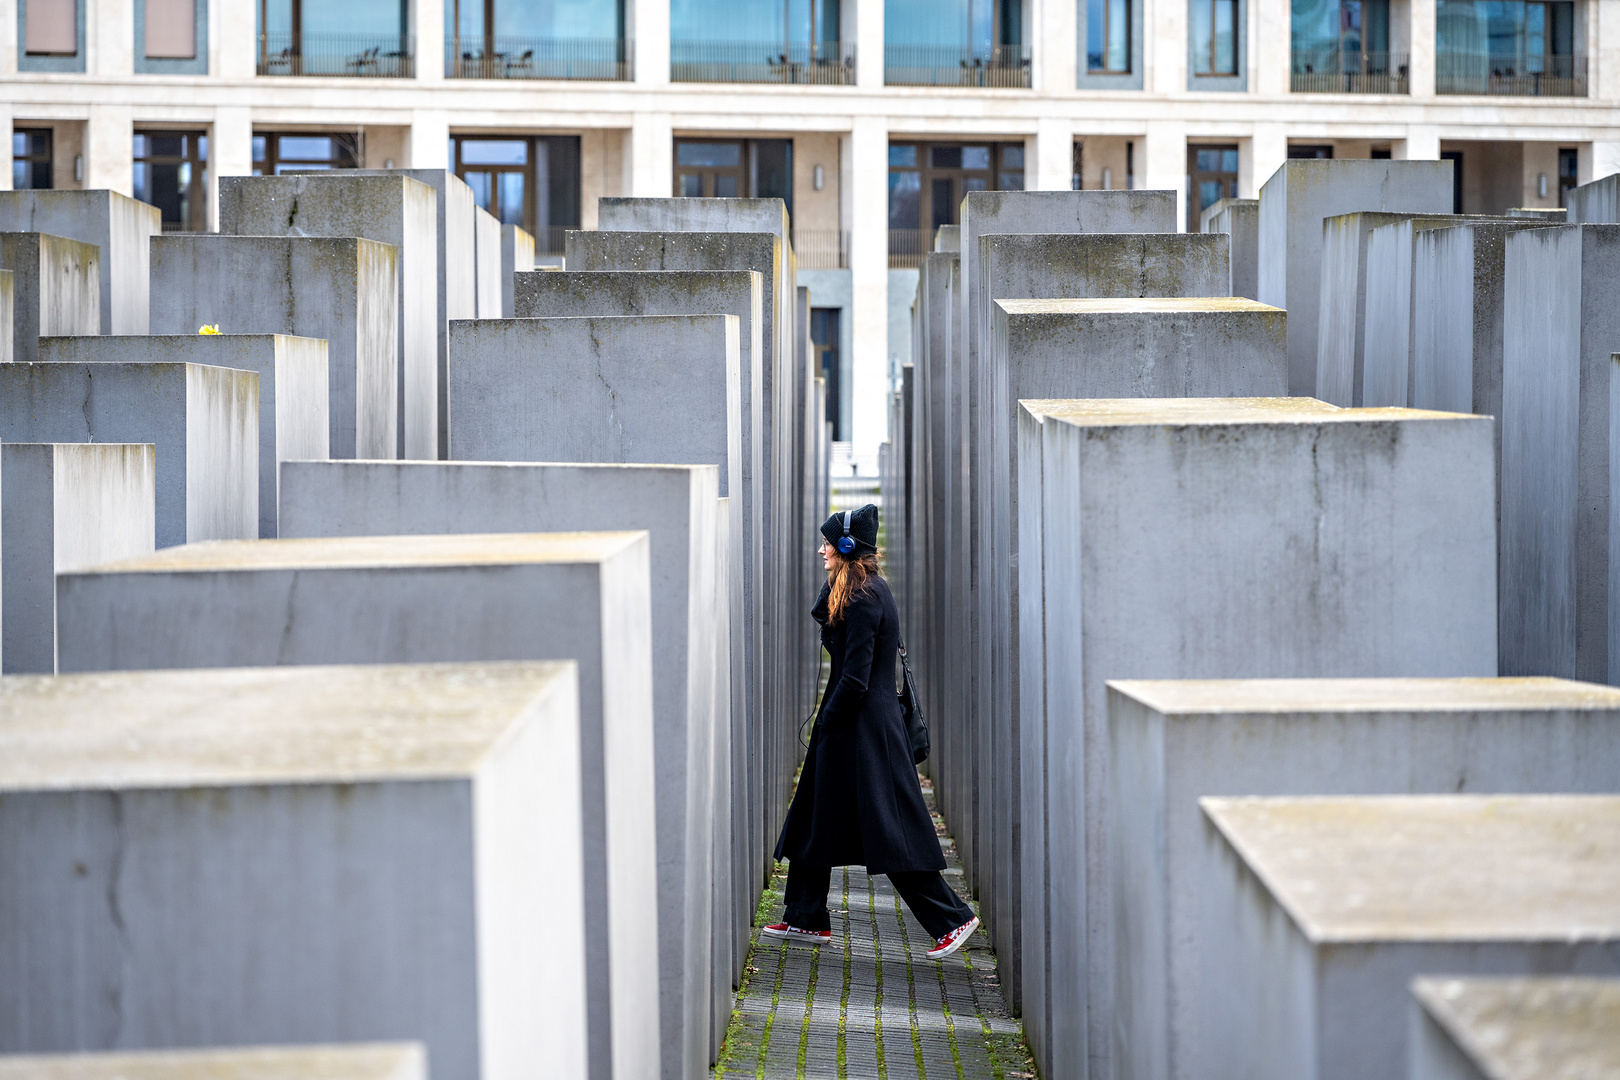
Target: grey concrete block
x,y
293,389
391,209
1485,1028
202,420
679,507
1293,204
1560,330
7,315
352,1061
948,238
1240,219
517,257
1595,203
345,291
1327,908
55,289
309,855
120,227
64,506
694,215
1554,215
1173,743
1277,570
423,599
487,251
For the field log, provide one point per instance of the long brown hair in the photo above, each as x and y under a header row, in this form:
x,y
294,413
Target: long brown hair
x,y
848,577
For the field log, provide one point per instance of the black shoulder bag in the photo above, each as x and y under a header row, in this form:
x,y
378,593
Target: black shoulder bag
x,y
911,710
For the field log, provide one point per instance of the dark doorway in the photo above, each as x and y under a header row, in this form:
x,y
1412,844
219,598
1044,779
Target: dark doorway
x,y
30,158
1456,159
1569,172
734,169
1301,152
171,173
824,338
1212,172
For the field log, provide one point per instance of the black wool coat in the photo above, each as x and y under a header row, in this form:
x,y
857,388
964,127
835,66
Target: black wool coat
x,y
859,802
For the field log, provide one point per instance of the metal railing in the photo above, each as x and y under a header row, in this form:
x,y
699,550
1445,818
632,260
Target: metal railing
x,y
821,249
803,63
552,239
908,247
1348,71
367,56
945,65
1481,73
609,59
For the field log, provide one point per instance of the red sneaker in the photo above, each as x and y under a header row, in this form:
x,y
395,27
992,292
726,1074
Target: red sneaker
x,y
793,933
953,940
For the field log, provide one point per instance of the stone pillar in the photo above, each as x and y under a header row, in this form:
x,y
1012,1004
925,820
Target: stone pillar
x,y
230,152
427,22
869,46
1166,164
1268,153
233,26
651,157
110,149
109,39
1057,51
1049,156
869,267
5,147
647,24
429,139
1422,72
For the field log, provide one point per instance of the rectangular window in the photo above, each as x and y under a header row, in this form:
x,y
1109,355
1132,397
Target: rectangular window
x,y
735,168
1212,176
362,38
275,153
171,173
53,28
531,181
1108,37
171,29
1214,30
31,158
927,182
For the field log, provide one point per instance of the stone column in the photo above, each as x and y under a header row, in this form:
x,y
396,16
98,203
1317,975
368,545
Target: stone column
x,y
1049,156
429,146
1057,60
109,148
869,265
427,19
869,45
234,50
231,152
1421,75
651,155
1165,167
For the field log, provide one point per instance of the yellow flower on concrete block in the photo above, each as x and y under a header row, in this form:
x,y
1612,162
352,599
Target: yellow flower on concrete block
x,y
208,328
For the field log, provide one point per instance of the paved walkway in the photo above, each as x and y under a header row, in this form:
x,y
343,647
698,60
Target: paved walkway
x,y
871,1004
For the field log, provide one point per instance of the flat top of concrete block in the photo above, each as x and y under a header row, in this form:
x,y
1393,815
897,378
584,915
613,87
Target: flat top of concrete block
x,y
1530,1028
1138,305
113,343
1218,412
366,552
351,1061
230,726
1459,868
1203,697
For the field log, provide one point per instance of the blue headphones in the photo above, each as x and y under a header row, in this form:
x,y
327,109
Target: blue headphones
x,y
846,543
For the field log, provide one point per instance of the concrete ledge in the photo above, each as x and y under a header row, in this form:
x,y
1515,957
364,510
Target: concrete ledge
x,y
352,1061
1515,1029
55,289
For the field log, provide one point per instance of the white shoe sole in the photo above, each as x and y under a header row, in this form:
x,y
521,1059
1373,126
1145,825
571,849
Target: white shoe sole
x,y
789,935
961,939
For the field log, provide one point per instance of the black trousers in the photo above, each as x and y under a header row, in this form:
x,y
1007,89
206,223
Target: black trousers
x,y
935,903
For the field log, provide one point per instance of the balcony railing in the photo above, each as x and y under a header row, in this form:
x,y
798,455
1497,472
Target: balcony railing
x,y
540,58
369,56
821,249
1345,71
944,65
552,239
804,63
908,247
1481,73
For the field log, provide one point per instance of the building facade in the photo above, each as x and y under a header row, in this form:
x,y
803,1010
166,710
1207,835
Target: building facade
x,y
872,119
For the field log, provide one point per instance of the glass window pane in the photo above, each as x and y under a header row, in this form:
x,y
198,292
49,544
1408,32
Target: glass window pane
x,y
691,185
1226,37
1209,193
727,20
258,147
975,183
709,155
1119,35
905,200
945,157
725,187
902,156
1229,161
1201,30
361,18
1010,181
305,148
482,187
494,152
975,157
565,19
944,23
1096,34
509,196
1012,157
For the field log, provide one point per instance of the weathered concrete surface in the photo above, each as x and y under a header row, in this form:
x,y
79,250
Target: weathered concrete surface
x,y
1293,204
422,599
1327,908
1515,1029
64,506
620,214
350,1061
1555,215
1596,203
1240,219
1341,543
293,389
1559,587
303,855
120,227
392,209
517,257
202,420
679,507
345,291
7,315
487,252
55,289
1172,743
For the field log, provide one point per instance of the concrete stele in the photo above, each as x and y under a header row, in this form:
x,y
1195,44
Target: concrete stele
x,y
55,289
350,1061
1240,219
517,257
1595,203
293,389
487,252
120,227
7,315
1172,743
1532,1028
679,507
394,210
64,506
1560,586
324,854
203,422
1293,204
419,599
1328,907
1282,574
343,290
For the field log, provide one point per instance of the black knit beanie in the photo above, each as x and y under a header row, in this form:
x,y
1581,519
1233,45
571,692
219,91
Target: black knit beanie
x,y
863,529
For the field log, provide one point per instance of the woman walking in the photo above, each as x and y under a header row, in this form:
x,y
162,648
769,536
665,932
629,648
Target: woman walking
x,y
859,802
